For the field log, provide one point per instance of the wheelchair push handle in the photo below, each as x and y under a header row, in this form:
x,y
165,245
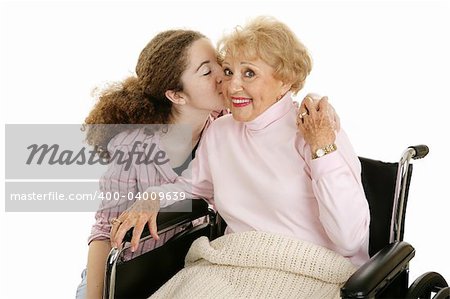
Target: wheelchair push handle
x,y
420,151
401,188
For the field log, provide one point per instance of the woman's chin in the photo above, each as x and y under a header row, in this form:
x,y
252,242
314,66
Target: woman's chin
x,y
240,118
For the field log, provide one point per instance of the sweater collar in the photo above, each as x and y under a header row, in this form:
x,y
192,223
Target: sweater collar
x,y
272,114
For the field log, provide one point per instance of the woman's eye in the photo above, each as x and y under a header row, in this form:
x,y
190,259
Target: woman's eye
x,y
249,73
227,72
206,69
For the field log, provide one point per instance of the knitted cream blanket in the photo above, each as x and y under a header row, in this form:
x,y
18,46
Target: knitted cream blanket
x,y
258,265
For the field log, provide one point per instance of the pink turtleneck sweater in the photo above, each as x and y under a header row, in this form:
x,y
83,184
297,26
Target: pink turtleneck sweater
x,y
259,175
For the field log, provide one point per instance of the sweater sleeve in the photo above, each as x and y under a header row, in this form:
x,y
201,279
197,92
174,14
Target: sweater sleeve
x,y
116,183
343,208
194,182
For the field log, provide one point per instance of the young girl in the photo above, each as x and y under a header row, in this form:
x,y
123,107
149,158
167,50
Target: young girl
x,y
177,82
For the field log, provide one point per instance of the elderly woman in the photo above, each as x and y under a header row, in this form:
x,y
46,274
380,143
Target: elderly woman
x,y
282,169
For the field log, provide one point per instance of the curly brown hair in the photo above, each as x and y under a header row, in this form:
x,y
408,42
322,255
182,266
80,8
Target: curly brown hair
x,y
141,99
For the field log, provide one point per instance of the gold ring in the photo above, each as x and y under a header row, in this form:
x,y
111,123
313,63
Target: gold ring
x,y
301,115
114,221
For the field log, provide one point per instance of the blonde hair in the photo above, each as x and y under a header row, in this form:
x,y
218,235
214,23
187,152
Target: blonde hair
x,y
273,42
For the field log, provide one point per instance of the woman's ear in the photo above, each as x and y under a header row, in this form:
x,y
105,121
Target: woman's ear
x,y
176,97
285,87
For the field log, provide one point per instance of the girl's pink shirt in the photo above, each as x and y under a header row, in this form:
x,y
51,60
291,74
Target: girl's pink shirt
x,y
126,182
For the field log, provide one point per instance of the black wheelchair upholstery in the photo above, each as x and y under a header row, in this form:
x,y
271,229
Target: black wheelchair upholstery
x,y
385,275
378,179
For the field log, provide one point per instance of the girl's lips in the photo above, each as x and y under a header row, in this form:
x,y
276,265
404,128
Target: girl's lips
x,y
240,102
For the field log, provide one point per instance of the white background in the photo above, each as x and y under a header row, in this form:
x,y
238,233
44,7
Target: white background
x,y
384,65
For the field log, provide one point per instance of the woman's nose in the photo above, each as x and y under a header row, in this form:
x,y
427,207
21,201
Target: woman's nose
x,y
235,84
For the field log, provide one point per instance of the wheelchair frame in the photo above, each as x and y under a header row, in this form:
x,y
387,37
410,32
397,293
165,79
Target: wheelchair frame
x,y
397,225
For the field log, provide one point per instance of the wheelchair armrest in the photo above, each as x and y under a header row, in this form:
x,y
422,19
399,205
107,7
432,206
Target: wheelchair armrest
x,y
379,271
180,212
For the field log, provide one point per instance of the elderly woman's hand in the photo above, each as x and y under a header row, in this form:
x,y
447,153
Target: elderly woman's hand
x,y
142,212
316,121
335,120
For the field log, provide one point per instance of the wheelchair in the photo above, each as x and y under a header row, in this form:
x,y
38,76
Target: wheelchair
x,y
385,275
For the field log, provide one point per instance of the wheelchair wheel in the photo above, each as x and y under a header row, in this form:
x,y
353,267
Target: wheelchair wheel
x,y
425,284
443,294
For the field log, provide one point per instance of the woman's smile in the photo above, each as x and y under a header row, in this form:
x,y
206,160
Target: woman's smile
x,y
239,102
